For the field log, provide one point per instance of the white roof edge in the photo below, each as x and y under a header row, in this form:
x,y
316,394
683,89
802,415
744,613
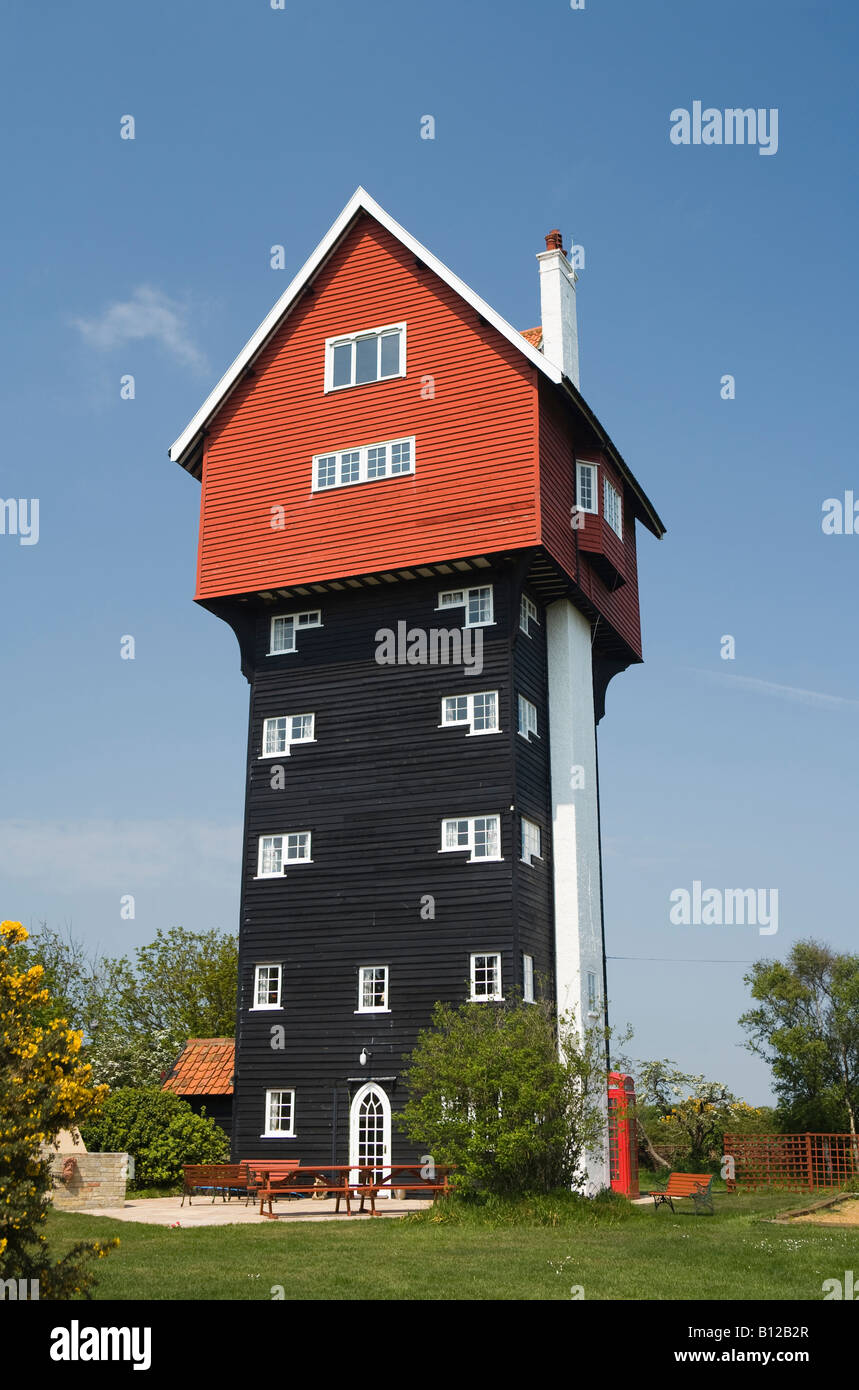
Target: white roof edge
x,y
360,200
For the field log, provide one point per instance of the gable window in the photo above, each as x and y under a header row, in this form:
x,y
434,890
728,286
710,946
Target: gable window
x,y
284,628
531,841
279,734
480,835
527,978
480,711
477,603
267,987
372,989
527,718
528,617
279,1115
276,851
611,507
374,354
364,465
486,976
586,487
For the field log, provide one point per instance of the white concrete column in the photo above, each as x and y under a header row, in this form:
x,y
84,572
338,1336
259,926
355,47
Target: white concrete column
x,y
575,826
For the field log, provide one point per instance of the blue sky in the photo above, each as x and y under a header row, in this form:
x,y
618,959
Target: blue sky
x,y
151,257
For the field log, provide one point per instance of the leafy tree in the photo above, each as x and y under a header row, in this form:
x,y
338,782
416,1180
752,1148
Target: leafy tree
x,y
693,1113
806,1026
511,1098
161,1132
44,1087
137,1014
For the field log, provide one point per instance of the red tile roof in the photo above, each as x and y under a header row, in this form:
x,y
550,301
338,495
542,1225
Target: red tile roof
x,y
534,336
204,1068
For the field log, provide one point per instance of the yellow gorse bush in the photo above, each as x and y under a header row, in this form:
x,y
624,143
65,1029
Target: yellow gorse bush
x,y
44,1087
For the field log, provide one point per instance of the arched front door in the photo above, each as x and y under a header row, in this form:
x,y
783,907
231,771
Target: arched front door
x,y
370,1128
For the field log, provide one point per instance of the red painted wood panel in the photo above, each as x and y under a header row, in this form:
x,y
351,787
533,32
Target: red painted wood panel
x,y
475,486
559,447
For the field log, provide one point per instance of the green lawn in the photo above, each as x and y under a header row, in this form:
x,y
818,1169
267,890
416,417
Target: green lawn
x,y
613,1250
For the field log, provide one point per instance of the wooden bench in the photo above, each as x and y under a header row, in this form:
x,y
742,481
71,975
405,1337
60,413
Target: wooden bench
x,y
214,1178
264,1171
695,1185
401,1178
313,1182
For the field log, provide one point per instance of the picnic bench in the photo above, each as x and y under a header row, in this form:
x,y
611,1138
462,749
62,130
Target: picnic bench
x,y
301,1181
213,1177
402,1177
347,1180
264,1171
695,1185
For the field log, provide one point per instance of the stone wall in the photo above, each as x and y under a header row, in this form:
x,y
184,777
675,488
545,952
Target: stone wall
x,y
97,1180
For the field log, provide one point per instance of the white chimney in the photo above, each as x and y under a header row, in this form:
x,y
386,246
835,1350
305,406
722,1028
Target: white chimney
x,y
558,308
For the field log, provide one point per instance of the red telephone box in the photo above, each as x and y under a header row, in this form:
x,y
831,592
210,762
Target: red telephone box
x,y
622,1134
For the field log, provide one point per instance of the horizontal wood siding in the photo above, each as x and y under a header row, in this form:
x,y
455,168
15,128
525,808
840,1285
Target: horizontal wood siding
x,y
533,883
559,447
373,791
475,485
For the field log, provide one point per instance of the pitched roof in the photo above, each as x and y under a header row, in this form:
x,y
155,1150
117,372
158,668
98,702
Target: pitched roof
x,y
187,449
534,336
203,1068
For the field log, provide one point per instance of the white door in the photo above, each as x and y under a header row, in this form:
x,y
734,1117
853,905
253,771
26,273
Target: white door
x,y
370,1130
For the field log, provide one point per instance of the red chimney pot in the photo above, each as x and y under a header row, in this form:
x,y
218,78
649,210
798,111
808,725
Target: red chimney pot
x,y
554,241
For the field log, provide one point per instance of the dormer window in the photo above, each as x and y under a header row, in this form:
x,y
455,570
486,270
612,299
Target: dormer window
x,y
357,359
586,487
476,602
611,508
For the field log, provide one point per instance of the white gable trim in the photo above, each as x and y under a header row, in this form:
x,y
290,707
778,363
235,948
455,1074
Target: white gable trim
x,y
360,201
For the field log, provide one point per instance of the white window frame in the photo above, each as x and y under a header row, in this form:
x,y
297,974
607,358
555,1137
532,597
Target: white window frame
x,y
470,716
269,1133
460,598
285,857
285,751
312,618
498,996
529,830
374,1008
527,978
528,709
471,822
581,464
256,1006
610,491
363,452
528,614
332,343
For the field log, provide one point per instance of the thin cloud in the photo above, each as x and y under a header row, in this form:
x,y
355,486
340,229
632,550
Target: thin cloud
x,y
794,693
151,314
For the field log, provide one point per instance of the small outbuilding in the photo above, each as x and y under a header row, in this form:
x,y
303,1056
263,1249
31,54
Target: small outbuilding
x,y
203,1075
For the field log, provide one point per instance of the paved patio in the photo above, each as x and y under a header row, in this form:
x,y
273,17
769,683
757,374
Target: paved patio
x,y
166,1211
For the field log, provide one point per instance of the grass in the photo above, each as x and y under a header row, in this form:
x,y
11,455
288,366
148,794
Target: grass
x,y
536,1248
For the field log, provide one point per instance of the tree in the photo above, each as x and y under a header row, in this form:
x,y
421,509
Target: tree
x,y
693,1113
160,1131
44,1087
136,1015
806,1026
510,1097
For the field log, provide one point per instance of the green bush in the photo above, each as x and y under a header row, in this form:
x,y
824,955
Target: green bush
x,y
159,1130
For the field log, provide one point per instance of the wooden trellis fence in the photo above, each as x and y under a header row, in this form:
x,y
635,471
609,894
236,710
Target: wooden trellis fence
x,y
796,1162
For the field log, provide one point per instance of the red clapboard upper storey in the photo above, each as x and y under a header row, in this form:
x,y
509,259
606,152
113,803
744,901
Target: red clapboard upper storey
x,y
326,452
464,407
